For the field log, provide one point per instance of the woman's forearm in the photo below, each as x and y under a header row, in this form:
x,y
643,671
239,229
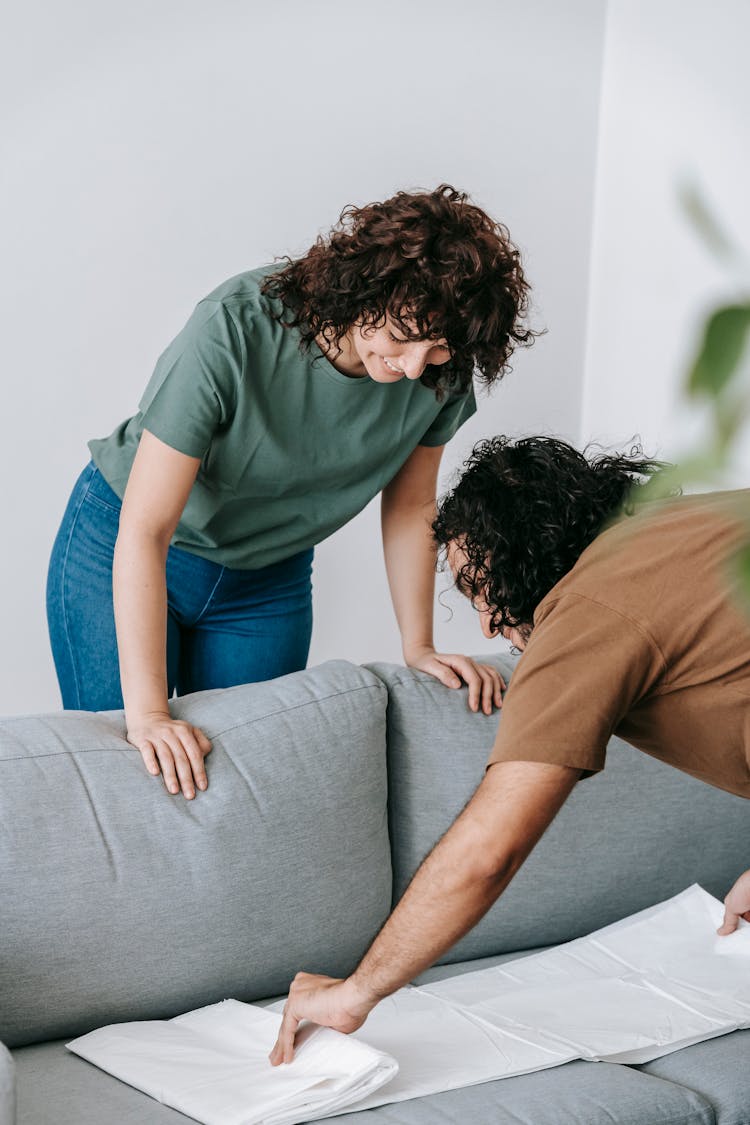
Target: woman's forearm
x,y
410,557
140,602
171,747
407,511
158,488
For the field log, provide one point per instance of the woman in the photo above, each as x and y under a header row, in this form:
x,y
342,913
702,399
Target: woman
x,y
294,394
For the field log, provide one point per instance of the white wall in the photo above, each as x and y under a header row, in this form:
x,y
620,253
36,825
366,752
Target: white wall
x,y
675,101
153,149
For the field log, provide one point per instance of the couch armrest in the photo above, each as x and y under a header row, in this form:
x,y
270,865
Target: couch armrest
x,y
7,1087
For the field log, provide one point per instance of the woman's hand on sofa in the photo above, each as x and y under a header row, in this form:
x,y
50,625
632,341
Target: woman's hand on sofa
x,y
736,905
174,749
328,1001
485,683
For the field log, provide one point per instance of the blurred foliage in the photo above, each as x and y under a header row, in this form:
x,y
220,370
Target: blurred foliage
x,y
718,378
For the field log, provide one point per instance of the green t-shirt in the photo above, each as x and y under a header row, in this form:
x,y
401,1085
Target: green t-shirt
x,y
290,448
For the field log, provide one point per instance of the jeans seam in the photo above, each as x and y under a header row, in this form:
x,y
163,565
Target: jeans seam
x,y
63,569
94,499
209,599
210,596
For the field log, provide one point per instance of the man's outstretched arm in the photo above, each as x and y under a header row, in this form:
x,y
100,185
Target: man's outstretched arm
x,y
455,886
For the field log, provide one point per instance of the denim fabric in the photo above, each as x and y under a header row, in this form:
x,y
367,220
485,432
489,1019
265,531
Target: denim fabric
x,y
224,627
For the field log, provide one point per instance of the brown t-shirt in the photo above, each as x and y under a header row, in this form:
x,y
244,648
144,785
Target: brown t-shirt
x,y
643,638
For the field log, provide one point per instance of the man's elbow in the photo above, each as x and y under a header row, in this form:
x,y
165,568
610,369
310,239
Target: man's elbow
x,y
490,861
510,811
497,868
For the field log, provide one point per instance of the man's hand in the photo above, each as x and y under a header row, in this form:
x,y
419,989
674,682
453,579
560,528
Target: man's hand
x,y
324,1000
485,683
736,905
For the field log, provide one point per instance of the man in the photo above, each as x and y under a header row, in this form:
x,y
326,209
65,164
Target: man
x,y
629,625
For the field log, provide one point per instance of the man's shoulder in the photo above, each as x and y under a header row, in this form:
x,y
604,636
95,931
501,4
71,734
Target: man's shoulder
x,y
653,559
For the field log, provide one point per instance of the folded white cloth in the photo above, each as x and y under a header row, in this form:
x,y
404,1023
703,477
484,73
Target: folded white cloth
x,y
633,991
212,1064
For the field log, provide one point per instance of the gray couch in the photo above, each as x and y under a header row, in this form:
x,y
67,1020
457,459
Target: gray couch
x,y
119,902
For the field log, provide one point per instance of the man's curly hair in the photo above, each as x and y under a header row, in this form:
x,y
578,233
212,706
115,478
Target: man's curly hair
x,y
524,511
430,259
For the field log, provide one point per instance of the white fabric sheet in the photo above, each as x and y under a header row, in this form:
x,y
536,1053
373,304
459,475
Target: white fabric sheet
x,y
633,991
212,1064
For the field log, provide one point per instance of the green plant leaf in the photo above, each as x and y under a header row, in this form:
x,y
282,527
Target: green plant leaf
x,y
721,351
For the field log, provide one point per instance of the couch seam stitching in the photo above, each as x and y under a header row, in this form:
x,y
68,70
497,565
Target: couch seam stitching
x,y
217,734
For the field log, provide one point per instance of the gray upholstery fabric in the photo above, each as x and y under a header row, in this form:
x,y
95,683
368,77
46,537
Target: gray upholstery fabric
x,y
121,902
577,1094
7,1087
57,1088
718,1071
633,835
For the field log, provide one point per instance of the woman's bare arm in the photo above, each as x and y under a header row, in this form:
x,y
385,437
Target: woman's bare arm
x,y
157,491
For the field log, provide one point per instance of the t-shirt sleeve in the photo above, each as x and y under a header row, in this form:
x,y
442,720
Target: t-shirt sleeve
x,y
456,410
585,666
193,390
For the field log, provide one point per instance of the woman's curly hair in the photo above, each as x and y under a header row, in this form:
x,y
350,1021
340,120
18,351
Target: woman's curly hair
x,y
429,259
524,511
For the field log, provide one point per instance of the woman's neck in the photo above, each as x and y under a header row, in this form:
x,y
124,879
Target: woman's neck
x,y
342,356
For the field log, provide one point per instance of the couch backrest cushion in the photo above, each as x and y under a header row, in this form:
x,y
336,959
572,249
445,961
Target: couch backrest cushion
x,y
121,902
633,835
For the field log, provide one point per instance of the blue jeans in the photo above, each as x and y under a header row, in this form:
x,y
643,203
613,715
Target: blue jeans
x,y
224,627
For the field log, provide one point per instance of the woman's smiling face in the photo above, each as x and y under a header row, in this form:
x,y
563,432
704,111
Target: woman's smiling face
x,y
386,355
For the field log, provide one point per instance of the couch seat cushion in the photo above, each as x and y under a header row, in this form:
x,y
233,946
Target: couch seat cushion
x,y
57,1088
578,1093
718,1070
